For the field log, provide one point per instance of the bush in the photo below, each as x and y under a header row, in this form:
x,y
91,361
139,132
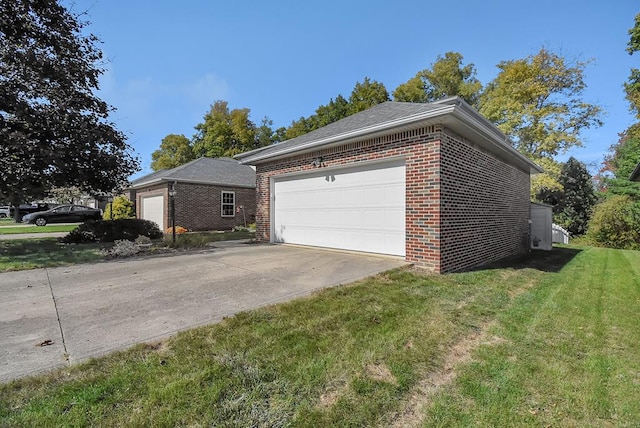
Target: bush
x,y
179,230
122,208
112,230
616,223
123,248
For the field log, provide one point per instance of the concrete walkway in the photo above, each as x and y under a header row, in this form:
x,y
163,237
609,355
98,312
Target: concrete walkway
x,y
54,317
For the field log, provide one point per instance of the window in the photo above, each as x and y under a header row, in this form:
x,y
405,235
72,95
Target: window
x,y
228,204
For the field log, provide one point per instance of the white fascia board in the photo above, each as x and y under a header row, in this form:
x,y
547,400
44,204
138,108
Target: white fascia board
x,y
359,133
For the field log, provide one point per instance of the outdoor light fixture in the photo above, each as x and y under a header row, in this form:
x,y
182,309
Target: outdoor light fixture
x,y
172,200
317,162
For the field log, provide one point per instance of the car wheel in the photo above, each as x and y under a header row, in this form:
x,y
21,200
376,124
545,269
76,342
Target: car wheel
x,y
40,221
3,215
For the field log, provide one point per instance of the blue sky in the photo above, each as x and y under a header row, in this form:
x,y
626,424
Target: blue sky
x,y
169,60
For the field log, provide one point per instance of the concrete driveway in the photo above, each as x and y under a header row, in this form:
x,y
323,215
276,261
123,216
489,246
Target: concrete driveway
x,y
58,316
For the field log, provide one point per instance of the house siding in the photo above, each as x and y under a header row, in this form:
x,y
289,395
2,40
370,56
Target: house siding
x,y
436,203
198,206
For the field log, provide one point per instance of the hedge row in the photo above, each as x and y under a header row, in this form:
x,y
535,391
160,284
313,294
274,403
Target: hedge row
x,y
112,230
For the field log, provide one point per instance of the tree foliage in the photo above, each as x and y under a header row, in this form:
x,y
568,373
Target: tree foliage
x,y
175,150
66,195
120,208
366,95
54,132
546,187
537,101
574,208
225,132
616,223
446,77
632,87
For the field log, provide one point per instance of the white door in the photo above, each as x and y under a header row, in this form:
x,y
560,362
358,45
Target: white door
x,y
359,208
152,208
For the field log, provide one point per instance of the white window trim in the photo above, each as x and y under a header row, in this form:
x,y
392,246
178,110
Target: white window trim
x,y
222,203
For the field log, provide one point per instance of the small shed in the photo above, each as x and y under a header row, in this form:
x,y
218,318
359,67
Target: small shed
x,y
541,226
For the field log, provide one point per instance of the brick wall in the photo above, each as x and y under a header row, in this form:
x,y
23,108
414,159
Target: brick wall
x,y
426,152
198,206
484,208
419,147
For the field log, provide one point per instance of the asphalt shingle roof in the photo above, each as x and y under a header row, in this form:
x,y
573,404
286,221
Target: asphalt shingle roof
x,y
225,171
390,116
376,115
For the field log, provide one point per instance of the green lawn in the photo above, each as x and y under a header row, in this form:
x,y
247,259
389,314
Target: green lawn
x,y
21,254
548,341
12,228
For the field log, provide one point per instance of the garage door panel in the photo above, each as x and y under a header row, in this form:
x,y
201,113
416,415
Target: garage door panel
x,y
359,208
153,209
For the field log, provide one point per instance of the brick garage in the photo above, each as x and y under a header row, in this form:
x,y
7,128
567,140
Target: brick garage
x,y
464,190
199,190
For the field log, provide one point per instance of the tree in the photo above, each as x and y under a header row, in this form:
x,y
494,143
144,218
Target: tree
x,y
366,95
224,132
537,101
300,127
265,135
446,77
66,195
175,150
412,91
334,111
632,87
54,132
574,208
121,207
625,154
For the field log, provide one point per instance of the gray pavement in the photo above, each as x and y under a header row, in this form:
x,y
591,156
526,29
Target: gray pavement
x,y
33,235
92,309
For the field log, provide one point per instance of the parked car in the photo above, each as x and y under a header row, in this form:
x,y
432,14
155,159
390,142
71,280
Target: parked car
x,y
63,214
5,211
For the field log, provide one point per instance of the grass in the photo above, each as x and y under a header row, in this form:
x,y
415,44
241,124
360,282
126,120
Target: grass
x,y
10,230
547,341
21,254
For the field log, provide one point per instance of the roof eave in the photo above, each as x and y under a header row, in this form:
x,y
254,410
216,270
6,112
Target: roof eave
x,y
182,180
453,112
255,157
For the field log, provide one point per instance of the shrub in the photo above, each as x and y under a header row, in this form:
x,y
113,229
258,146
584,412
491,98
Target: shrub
x,y
121,207
179,230
143,240
123,248
616,223
112,230
195,240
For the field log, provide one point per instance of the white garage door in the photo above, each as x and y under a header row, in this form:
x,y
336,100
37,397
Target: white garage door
x,y
357,208
152,208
